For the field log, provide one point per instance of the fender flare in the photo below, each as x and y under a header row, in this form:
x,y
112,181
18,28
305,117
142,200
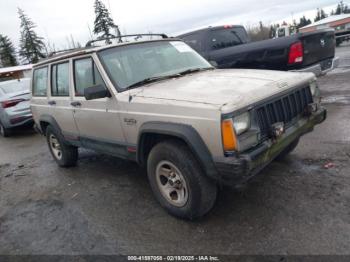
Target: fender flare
x,y
51,121
187,134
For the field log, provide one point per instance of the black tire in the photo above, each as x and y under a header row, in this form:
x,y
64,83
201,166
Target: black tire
x,y
287,150
5,132
69,154
201,192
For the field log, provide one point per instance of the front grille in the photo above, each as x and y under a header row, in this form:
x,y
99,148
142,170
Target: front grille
x,y
283,109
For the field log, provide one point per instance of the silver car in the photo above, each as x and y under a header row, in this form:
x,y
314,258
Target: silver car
x,y
14,105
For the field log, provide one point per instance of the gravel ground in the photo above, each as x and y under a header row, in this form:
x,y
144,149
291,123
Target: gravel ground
x,y
105,206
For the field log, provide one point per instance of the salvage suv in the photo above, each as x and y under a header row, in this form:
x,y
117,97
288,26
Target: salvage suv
x,y
159,103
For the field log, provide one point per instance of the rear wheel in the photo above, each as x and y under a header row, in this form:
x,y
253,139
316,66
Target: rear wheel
x,y
65,155
5,132
178,182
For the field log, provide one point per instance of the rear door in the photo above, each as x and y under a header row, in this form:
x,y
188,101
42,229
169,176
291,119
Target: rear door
x,y
40,84
60,98
318,46
98,120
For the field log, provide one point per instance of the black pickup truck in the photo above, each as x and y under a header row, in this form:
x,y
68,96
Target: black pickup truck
x,y
230,47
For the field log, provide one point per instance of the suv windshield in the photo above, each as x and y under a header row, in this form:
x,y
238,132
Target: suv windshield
x,y
131,64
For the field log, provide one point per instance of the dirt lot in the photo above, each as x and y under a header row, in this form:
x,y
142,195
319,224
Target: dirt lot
x,y
105,206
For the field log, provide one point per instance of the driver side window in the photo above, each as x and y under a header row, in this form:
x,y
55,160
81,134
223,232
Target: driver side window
x,y
86,75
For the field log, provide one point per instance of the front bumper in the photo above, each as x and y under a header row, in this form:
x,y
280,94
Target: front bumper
x,y
321,68
240,168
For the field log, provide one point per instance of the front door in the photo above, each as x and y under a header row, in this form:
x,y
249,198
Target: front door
x,y
97,120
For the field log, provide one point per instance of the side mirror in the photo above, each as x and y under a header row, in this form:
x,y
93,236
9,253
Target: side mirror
x,y
96,92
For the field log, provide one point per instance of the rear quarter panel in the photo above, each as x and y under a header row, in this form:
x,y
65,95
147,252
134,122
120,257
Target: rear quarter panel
x,y
38,106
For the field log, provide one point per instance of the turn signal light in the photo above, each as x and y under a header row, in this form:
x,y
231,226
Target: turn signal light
x,y
229,139
296,53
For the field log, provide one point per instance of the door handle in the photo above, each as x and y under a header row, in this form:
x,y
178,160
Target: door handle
x,y
52,102
75,103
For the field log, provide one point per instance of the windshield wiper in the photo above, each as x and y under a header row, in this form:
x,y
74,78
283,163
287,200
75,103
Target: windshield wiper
x,y
158,78
150,80
193,70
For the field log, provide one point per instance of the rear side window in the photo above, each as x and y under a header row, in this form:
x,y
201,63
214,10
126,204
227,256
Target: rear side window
x,y
223,38
86,75
60,79
193,41
40,81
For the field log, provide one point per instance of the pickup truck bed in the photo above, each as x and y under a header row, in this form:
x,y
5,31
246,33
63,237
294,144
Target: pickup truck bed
x,y
230,47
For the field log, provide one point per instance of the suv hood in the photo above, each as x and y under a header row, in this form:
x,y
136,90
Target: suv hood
x,y
236,87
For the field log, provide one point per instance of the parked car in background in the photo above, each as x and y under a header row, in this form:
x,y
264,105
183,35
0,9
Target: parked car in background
x,y
230,47
14,105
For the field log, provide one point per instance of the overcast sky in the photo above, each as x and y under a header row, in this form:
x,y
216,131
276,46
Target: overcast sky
x,y
57,20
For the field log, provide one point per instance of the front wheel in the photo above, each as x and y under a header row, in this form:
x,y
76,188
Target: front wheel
x,y
178,182
64,155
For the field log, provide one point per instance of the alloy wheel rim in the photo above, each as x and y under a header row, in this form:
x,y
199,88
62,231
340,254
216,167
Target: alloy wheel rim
x,y
55,147
171,183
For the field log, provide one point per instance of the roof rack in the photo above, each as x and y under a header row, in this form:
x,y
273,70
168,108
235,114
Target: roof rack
x,y
89,43
51,54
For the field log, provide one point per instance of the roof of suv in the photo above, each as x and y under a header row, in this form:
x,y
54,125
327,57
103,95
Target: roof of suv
x,y
91,49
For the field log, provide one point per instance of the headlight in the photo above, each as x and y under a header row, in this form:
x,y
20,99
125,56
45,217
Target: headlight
x,y
241,123
313,88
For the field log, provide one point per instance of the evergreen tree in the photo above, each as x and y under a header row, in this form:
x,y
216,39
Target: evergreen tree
x,y
303,22
7,52
323,14
346,10
272,31
31,45
320,14
341,9
104,24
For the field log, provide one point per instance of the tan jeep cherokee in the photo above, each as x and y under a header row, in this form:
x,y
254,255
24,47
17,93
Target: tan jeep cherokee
x,y
159,103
